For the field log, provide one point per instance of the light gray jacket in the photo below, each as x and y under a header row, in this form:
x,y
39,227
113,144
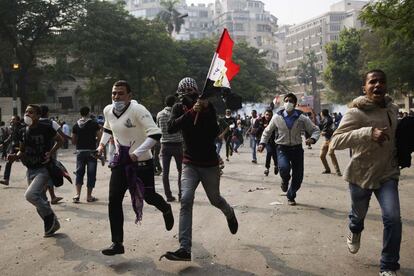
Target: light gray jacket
x,y
289,137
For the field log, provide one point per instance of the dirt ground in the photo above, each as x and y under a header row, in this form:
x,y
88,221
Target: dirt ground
x,y
273,238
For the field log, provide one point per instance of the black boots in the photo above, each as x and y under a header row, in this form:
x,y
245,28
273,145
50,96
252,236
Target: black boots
x,y
115,248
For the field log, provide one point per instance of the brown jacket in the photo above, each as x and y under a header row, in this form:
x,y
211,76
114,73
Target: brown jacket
x,y
371,164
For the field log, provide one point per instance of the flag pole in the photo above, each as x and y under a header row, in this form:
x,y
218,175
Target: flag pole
x,y
209,71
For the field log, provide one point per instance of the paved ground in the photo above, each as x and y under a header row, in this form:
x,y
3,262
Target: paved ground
x,y
273,238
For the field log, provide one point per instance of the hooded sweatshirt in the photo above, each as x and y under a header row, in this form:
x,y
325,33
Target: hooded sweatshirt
x,y
85,130
371,164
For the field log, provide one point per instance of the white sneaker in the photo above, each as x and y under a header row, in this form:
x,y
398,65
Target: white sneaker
x,y
388,273
353,241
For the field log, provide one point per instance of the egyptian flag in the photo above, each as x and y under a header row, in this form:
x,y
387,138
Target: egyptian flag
x,y
222,68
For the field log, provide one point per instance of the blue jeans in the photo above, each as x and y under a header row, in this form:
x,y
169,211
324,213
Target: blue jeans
x,y
83,159
36,192
387,196
219,144
291,158
253,144
210,179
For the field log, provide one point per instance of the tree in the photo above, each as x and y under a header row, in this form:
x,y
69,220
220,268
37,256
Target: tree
x,y
110,44
342,73
27,25
390,43
307,73
170,16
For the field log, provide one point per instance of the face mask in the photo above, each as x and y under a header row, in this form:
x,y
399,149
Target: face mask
x,y
119,106
27,120
189,100
289,106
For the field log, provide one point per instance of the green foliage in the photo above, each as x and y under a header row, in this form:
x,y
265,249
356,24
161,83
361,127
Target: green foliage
x,y
26,25
392,15
307,72
109,44
254,80
390,43
104,43
342,73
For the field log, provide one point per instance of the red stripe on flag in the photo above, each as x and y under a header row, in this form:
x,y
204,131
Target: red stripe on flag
x,y
225,52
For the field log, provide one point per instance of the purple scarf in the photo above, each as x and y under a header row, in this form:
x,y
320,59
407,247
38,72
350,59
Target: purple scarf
x,y
135,185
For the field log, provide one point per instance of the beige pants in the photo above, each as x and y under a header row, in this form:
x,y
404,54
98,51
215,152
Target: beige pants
x,y
326,150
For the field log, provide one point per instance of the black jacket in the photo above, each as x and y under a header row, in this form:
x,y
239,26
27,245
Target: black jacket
x,y
405,141
199,139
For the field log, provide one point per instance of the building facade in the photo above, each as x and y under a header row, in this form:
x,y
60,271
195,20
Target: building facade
x,y
314,34
246,20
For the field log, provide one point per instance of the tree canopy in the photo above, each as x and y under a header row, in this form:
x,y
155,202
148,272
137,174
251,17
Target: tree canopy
x,y
342,73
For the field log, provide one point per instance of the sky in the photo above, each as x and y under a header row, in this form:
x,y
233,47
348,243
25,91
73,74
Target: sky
x,y
290,11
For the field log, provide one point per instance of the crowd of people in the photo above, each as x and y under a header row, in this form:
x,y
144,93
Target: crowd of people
x,y
189,130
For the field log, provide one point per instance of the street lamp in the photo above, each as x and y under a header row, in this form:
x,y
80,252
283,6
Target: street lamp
x,y
15,69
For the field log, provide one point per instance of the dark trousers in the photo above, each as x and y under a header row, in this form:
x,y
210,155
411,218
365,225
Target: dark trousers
x,y
117,188
271,153
168,151
290,158
229,149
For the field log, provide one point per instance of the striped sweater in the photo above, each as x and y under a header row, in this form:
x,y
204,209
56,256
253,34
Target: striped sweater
x,y
162,119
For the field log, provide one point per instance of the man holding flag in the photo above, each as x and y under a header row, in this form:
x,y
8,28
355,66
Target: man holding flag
x,y
196,117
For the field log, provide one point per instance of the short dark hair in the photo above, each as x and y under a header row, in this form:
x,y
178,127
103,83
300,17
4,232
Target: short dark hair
x,y
291,95
123,83
170,100
84,111
325,112
379,71
269,110
44,110
38,109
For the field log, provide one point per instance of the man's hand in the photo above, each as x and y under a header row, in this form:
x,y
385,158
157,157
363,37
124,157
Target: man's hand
x,y
260,148
133,157
379,135
100,150
309,141
48,155
200,105
12,157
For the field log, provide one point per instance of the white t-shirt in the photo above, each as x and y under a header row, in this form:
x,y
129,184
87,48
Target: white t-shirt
x,y
132,127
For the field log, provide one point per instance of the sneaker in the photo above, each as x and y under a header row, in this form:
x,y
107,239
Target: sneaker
x,y
51,224
4,182
179,255
284,186
276,170
326,172
168,218
232,223
266,172
388,273
353,241
254,161
170,199
115,248
291,202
